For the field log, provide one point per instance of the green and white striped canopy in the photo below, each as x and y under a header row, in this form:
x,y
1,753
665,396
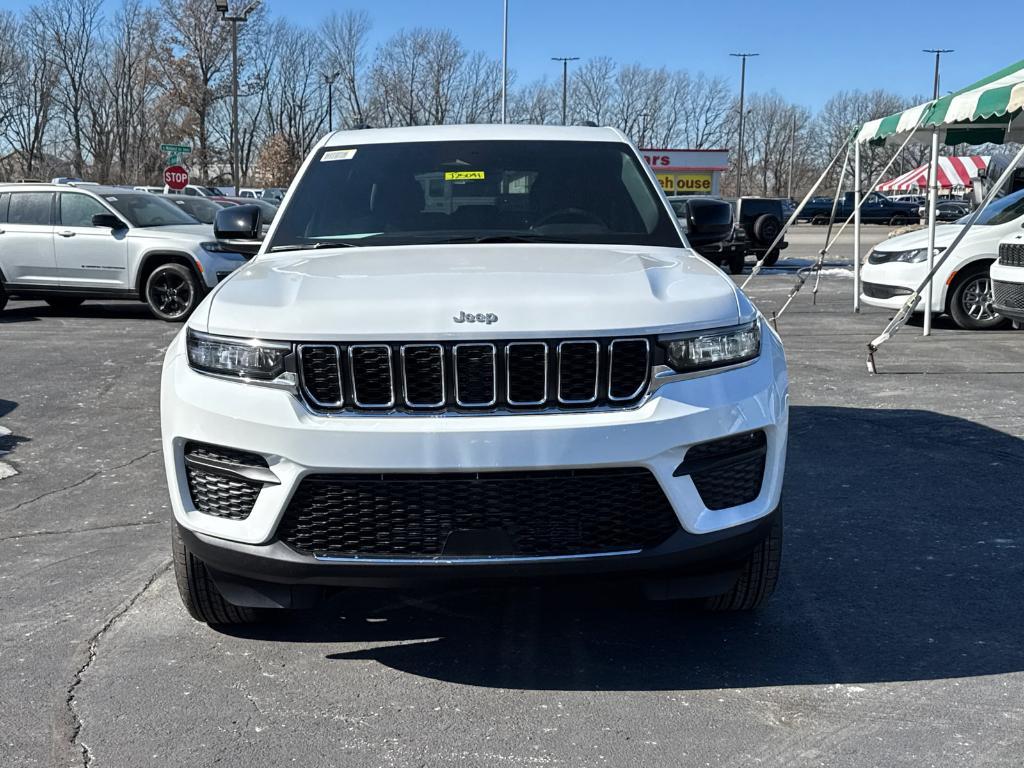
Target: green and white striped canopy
x,y
981,113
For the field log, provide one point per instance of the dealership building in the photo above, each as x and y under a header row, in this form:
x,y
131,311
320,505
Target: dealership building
x,y
688,171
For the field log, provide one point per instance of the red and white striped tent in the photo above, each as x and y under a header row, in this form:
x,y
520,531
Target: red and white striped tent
x,y
953,173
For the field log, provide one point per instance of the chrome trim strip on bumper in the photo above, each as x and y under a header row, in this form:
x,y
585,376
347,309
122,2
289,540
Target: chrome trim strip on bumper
x,y
254,474
496,560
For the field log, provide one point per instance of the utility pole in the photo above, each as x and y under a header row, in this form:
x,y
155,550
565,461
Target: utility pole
x,y
565,84
234,20
504,66
933,194
792,155
329,79
743,84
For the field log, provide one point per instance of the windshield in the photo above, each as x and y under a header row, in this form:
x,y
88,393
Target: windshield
x,y
468,191
200,208
1003,210
143,209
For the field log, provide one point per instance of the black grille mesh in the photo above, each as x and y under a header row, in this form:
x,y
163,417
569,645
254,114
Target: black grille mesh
x,y
739,472
577,366
536,513
321,373
218,494
372,376
1009,295
475,374
423,370
629,368
1011,254
527,370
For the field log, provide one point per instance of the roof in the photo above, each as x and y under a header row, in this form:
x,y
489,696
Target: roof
x,y
475,132
982,112
953,172
43,186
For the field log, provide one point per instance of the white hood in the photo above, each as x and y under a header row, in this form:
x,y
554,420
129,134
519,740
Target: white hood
x,y
416,292
944,235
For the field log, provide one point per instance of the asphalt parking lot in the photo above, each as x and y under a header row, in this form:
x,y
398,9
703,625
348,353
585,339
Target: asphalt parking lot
x,y
894,638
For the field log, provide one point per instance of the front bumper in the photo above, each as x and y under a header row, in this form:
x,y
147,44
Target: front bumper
x,y
297,443
1008,290
897,277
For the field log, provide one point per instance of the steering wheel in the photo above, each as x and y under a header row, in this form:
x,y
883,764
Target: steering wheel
x,y
577,213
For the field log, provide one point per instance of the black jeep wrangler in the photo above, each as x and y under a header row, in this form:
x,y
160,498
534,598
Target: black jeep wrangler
x,y
757,222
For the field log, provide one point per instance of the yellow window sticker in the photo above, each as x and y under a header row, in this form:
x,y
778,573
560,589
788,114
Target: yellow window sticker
x,y
464,175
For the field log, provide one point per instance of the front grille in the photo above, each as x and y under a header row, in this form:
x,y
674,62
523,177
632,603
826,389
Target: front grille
x,y
218,493
879,291
1011,254
468,376
727,472
516,514
1009,295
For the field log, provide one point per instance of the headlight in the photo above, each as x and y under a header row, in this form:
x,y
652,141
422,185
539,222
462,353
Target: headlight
x,y
714,349
215,246
236,357
912,257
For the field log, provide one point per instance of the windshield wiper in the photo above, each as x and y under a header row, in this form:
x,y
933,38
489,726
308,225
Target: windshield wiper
x,y
314,246
524,238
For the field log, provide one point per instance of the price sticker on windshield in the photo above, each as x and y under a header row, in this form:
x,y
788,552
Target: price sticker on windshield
x,y
464,175
337,154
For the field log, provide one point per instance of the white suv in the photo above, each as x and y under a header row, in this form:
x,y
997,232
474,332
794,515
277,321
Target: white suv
x,y
471,353
68,244
962,287
1008,279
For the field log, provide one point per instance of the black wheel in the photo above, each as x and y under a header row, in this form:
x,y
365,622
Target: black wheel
x,y
759,576
771,259
970,304
200,595
172,292
64,302
736,262
766,228
3,297
896,221
819,219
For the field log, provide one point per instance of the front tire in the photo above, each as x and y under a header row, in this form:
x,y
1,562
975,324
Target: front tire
x,y
758,579
3,297
736,262
971,302
199,593
172,292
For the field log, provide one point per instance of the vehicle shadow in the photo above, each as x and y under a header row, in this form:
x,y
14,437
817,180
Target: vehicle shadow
x,y
25,311
903,561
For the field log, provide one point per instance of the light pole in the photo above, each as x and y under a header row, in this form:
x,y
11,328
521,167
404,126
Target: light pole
x,y
329,79
933,194
504,66
743,84
565,84
792,155
234,20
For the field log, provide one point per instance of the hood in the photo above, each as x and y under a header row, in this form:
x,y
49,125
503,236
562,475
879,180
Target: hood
x,y
519,290
197,232
944,235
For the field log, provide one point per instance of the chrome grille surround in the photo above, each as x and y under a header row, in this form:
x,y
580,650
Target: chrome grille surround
x,y
513,376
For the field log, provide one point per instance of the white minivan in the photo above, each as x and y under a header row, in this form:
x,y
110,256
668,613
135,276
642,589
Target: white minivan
x,y
962,287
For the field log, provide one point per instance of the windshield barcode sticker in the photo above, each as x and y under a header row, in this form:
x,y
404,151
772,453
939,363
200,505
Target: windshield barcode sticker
x,y
464,175
337,154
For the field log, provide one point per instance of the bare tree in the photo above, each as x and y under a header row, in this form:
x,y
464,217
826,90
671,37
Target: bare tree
x,y
35,76
345,38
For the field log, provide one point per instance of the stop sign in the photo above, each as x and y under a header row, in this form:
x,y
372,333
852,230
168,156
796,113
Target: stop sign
x,y
175,177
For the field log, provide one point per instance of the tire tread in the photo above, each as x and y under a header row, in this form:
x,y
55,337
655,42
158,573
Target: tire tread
x,y
757,580
199,593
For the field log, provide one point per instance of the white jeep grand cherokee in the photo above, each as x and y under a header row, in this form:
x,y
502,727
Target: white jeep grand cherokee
x,y
474,352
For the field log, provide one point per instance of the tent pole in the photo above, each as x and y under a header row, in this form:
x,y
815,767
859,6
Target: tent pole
x,y
933,193
856,226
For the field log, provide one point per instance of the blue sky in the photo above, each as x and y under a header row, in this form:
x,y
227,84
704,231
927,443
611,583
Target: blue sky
x,y
808,50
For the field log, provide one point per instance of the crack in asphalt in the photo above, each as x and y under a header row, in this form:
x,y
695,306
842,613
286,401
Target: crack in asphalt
x,y
68,531
77,483
69,747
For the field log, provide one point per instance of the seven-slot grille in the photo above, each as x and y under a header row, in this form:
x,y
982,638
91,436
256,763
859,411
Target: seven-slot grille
x,y
471,375
1011,254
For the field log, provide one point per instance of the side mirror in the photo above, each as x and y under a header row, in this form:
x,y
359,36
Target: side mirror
x,y
708,221
241,226
107,220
